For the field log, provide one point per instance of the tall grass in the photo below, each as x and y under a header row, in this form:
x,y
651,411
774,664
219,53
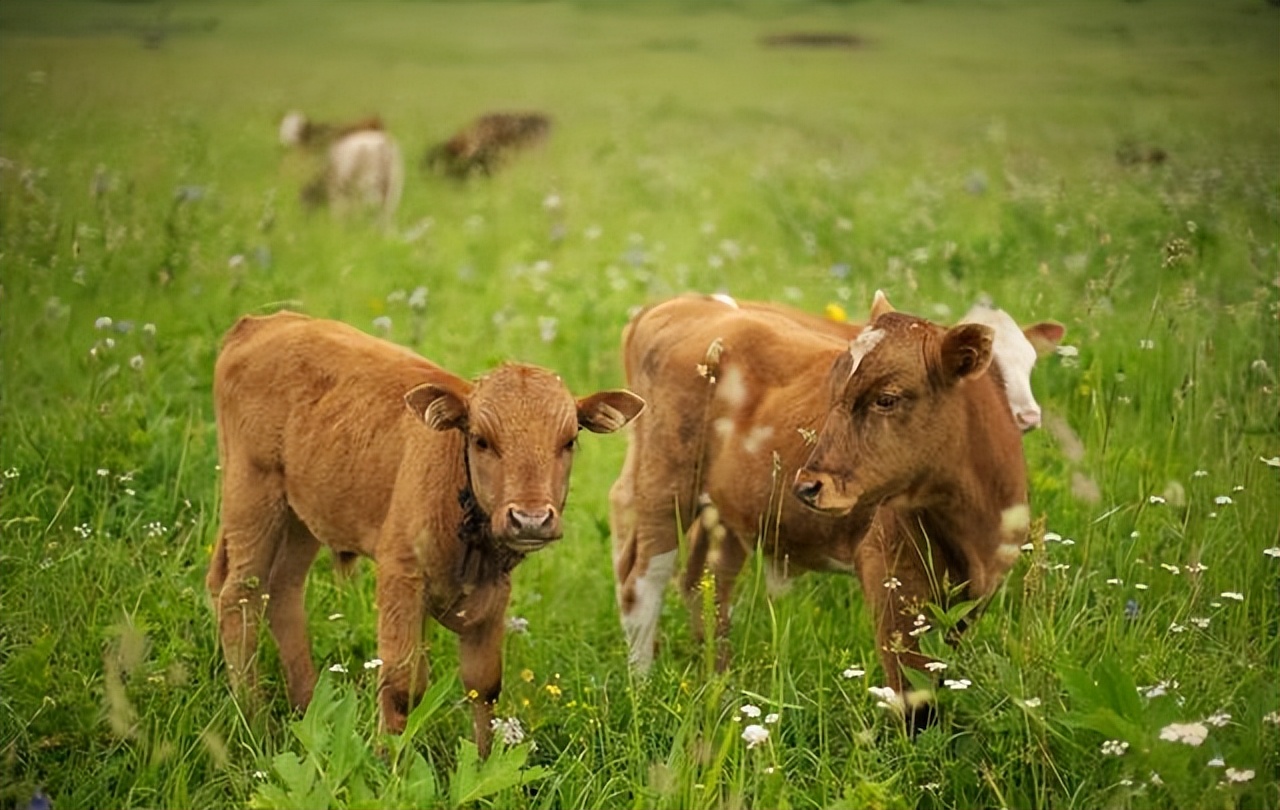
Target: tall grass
x,y
963,150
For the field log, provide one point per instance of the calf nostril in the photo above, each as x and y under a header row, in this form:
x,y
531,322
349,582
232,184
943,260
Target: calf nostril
x,y
526,520
1029,420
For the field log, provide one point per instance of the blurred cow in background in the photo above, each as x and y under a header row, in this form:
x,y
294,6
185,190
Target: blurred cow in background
x,y
363,167
484,143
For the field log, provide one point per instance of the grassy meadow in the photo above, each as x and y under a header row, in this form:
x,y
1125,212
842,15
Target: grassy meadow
x,y
1000,148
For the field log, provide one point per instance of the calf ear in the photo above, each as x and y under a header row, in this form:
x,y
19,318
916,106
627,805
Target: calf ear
x,y
439,406
606,411
966,350
1045,336
880,305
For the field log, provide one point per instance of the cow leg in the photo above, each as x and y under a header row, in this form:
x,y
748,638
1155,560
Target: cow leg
x,y
252,529
725,565
480,656
898,582
286,609
699,541
405,668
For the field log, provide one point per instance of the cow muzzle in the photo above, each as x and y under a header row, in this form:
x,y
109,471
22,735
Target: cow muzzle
x,y
529,529
819,492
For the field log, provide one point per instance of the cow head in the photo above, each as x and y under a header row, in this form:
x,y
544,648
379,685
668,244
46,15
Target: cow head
x,y
895,401
521,427
1015,349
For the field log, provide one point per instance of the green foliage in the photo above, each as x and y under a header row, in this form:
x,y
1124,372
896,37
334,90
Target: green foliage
x,y
1003,149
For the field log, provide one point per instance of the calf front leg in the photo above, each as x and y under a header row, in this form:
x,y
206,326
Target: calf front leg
x,y
480,654
405,669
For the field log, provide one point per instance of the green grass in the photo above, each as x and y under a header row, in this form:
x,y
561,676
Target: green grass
x,y
967,149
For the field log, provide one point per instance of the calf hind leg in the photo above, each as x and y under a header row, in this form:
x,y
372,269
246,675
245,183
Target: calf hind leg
x,y
286,609
252,530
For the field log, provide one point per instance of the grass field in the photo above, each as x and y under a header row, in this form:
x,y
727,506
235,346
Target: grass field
x,y
963,149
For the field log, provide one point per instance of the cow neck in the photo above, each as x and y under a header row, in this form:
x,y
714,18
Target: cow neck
x,y
484,558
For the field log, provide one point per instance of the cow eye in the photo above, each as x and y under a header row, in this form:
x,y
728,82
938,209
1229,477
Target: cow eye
x,y
887,401
481,443
570,445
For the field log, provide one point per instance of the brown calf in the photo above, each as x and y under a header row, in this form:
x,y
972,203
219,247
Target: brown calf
x,y
738,394
330,437
485,142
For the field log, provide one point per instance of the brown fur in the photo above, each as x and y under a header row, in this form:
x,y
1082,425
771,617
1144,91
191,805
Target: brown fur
x,y
484,143
765,399
446,495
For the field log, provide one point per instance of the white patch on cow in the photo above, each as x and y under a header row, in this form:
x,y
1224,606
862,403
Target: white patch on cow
x,y
723,428
1008,552
641,622
1015,521
291,128
777,581
862,345
1016,357
732,388
756,437
725,299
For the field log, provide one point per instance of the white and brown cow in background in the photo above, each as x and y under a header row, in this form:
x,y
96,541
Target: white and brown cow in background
x,y
328,436
363,168
737,394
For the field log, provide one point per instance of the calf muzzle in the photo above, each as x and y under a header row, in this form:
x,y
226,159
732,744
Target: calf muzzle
x,y
528,529
819,492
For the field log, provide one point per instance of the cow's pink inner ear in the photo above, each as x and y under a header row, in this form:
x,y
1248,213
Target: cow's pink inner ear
x,y
606,411
438,406
1045,336
966,350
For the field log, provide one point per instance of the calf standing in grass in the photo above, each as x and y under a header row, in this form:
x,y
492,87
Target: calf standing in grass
x,y
737,393
327,436
484,143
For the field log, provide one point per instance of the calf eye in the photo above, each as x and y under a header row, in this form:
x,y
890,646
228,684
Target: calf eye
x,y
887,401
570,445
481,443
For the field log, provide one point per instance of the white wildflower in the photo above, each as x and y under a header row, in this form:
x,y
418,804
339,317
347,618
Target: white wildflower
x,y
1189,733
259,774
373,663
935,666
1142,586
754,735
1115,581
1177,628
1272,718
1274,551
1218,720
1274,461
962,683
1223,500
771,718
886,698
1236,595
1052,537
102,323
1114,748
1196,567
1201,622
1031,702
750,710
382,323
517,625
1234,775
508,730
1156,499
893,583
1200,474
136,362
853,672
339,668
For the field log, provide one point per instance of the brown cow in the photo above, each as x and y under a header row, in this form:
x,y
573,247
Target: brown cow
x,y
737,394
484,143
327,436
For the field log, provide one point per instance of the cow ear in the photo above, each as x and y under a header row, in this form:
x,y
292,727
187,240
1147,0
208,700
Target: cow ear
x,y
1045,336
441,407
606,411
966,350
880,305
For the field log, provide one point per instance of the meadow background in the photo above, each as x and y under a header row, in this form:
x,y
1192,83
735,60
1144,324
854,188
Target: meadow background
x,y
994,148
